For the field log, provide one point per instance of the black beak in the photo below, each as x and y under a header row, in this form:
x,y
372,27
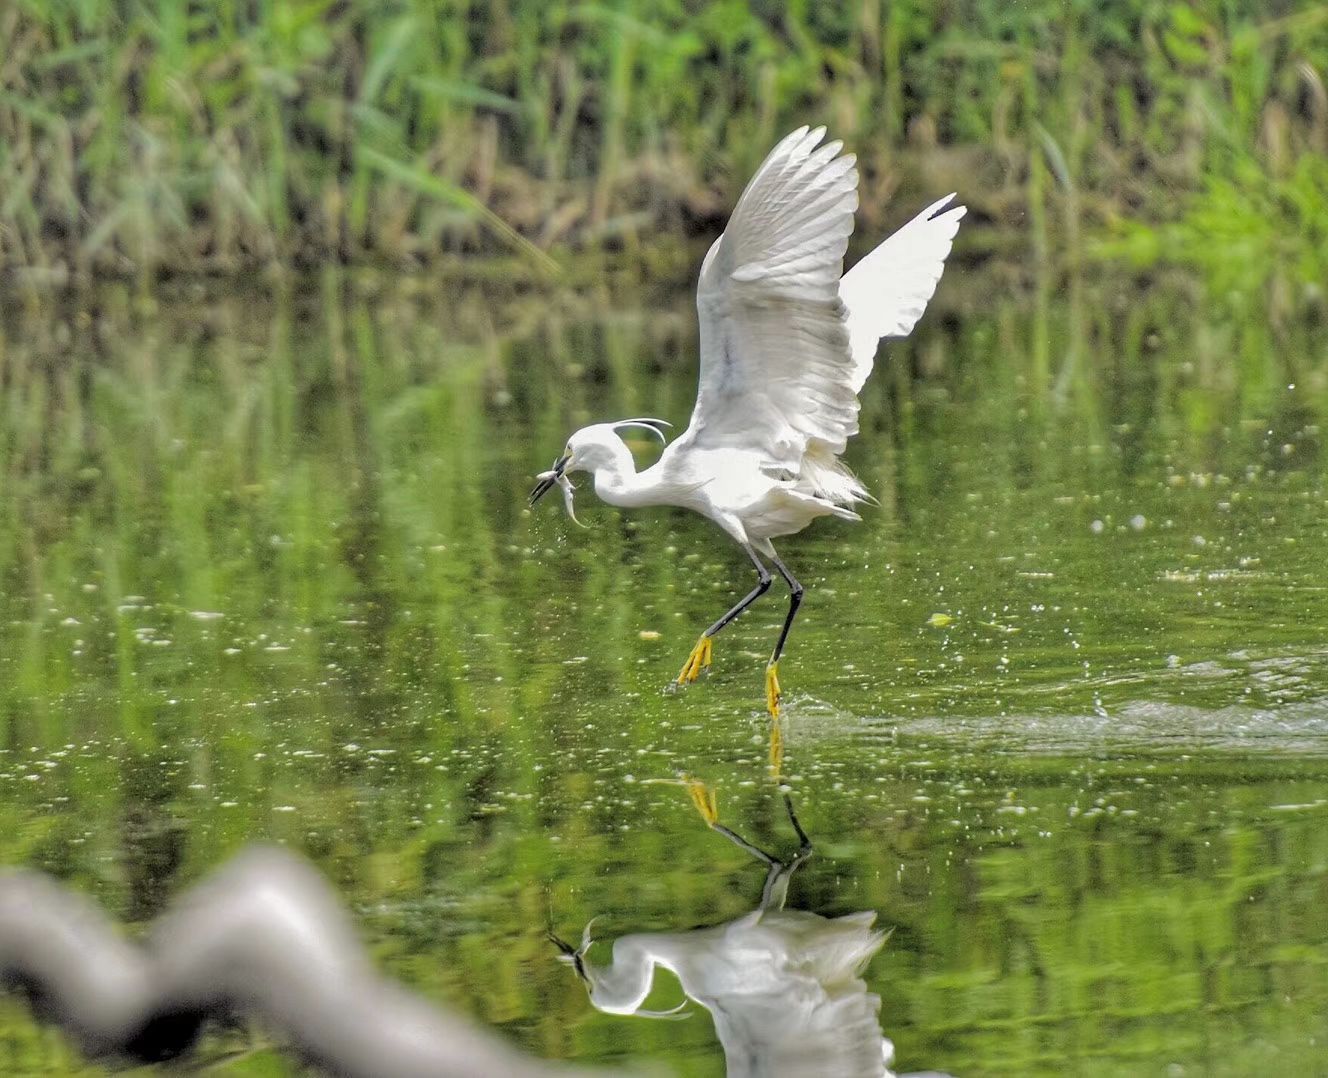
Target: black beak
x,y
543,486
568,953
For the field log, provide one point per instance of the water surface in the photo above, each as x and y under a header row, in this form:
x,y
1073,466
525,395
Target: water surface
x,y
1057,709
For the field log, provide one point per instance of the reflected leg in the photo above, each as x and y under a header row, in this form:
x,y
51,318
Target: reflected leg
x,y
775,892
779,873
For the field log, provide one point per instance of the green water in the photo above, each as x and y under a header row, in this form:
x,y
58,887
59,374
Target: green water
x,y
1057,709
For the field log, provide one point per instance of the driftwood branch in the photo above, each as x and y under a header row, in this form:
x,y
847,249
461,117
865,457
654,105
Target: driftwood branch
x,y
264,939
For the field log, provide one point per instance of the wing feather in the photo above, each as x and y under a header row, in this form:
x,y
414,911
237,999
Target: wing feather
x,y
774,344
887,291
785,342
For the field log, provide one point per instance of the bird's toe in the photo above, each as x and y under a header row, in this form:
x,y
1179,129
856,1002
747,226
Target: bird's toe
x,y
698,662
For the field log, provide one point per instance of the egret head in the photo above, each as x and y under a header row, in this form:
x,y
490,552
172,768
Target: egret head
x,y
620,988
592,447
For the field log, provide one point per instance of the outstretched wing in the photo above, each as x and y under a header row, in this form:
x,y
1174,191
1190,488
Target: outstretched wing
x,y
785,343
887,291
774,343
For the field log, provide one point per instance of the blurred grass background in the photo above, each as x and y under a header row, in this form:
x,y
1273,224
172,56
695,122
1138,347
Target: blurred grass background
x,y
146,138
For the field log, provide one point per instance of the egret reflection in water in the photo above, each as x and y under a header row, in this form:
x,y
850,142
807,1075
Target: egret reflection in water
x,y
784,986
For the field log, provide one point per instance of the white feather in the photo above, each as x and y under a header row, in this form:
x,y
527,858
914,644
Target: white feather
x,y
786,344
787,340
887,291
773,337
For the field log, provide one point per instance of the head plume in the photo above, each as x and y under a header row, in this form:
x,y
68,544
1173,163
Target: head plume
x,y
655,426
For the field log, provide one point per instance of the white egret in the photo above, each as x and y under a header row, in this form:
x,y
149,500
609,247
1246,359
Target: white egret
x,y
787,341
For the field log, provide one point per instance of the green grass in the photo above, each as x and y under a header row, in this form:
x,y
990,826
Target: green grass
x,y
144,137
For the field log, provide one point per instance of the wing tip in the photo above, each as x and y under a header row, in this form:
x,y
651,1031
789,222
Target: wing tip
x,y
942,208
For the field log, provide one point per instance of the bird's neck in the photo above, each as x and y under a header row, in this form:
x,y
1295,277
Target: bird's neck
x,y
622,986
617,480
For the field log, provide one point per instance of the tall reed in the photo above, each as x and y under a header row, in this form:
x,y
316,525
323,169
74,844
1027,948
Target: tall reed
x,y
142,138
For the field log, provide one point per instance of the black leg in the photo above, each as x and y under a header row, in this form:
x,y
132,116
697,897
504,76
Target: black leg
x,y
795,600
699,659
762,586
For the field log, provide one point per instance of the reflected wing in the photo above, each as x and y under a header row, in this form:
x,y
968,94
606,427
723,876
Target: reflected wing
x,y
775,360
888,290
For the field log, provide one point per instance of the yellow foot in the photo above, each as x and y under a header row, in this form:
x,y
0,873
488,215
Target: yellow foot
x,y
697,661
705,799
772,693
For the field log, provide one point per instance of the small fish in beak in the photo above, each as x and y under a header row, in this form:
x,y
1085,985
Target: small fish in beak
x,y
549,478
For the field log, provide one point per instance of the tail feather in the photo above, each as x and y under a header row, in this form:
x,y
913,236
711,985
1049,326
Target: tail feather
x,y
884,296
825,476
